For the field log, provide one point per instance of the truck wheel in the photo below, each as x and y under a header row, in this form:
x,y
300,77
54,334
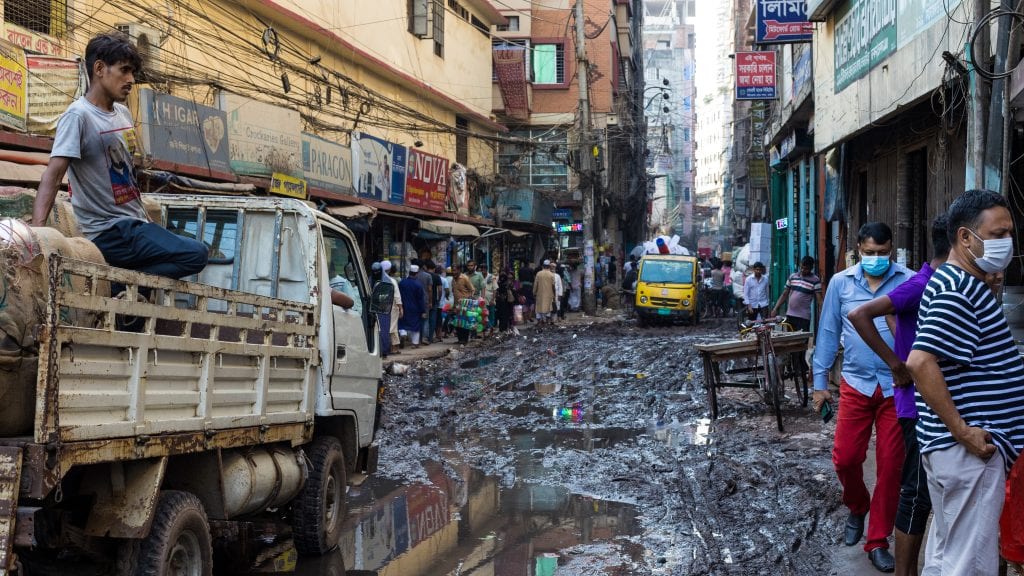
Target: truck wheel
x,y
320,507
178,543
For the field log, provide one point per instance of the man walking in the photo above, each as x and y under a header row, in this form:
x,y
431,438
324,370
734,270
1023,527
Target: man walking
x,y
544,293
462,290
865,393
970,390
904,302
426,280
802,290
396,306
415,306
94,144
755,292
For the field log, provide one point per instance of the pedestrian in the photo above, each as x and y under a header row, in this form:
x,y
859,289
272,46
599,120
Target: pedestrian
x,y
559,291
526,275
94,145
462,290
447,302
384,320
544,293
426,280
903,302
475,278
755,292
717,290
504,300
865,394
802,291
970,389
727,283
415,306
576,288
396,306
436,301
563,304
487,295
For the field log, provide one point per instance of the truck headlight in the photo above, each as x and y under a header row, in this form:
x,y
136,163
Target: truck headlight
x,y
686,302
643,299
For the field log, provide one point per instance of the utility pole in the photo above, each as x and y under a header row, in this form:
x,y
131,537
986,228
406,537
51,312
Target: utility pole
x,y
586,172
976,136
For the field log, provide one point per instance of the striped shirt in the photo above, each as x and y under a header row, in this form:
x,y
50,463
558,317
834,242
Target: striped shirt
x,y
963,326
802,291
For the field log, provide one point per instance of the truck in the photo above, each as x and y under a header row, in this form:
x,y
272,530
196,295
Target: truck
x,y
138,410
667,289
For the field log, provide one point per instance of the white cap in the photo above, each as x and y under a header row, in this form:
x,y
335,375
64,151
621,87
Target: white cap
x,y
385,265
547,262
375,266
414,269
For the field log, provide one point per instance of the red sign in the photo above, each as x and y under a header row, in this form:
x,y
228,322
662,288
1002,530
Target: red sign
x,y
755,75
426,181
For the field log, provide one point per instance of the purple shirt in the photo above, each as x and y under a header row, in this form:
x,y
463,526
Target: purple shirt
x,y
906,299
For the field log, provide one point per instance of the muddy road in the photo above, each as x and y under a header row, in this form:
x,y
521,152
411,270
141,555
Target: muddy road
x,y
587,447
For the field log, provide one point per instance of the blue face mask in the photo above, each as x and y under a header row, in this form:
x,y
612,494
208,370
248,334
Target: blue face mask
x,y
875,265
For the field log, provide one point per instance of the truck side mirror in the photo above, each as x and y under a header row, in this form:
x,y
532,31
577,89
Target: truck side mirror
x,y
382,298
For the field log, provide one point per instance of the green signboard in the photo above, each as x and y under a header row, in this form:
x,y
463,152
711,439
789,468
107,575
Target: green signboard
x,y
865,35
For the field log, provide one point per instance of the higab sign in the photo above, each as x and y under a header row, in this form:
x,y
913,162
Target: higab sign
x,y
184,132
426,181
782,22
755,75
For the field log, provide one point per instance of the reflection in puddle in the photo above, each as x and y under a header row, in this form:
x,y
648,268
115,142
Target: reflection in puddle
x,y
478,362
673,433
547,388
569,414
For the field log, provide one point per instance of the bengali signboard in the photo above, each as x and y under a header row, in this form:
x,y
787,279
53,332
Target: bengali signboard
x,y
263,138
379,168
426,181
287,185
327,165
13,86
916,16
755,75
757,168
29,40
782,22
865,35
53,84
184,132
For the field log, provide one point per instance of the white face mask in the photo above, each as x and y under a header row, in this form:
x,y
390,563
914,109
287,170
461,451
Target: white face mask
x,y
997,255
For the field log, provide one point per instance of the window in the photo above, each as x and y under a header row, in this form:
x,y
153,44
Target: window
x,y
687,165
418,17
461,141
686,194
691,40
458,9
664,44
517,44
686,134
43,16
512,26
538,163
439,28
340,262
549,64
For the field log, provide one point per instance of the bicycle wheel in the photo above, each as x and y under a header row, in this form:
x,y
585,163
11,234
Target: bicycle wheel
x,y
774,386
799,378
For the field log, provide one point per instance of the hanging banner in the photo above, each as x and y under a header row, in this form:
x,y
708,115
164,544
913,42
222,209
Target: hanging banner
x,y
458,190
263,138
327,165
53,84
13,86
782,22
184,132
379,168
755,75
426,182
865,35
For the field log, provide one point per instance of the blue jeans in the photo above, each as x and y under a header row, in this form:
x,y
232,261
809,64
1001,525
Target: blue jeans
x,y
148,247
384,324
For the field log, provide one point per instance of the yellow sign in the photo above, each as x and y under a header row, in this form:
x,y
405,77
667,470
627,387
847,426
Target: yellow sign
x,y
13,86
285,185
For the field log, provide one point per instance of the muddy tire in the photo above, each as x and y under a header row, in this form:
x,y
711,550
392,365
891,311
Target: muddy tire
x,y
320,508
178,542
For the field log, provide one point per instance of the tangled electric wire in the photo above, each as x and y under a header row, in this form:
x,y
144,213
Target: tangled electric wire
x,y
996,13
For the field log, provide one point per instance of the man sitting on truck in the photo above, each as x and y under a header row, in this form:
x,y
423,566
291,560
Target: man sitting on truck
x,y
94,143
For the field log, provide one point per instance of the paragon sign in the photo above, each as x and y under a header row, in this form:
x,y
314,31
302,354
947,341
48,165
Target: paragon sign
x,y
783,22
865,35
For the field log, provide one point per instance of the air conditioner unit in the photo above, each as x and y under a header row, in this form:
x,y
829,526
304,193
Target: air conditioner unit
x,y
148,41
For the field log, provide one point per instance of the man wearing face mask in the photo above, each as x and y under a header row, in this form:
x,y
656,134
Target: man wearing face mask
x,y
970,389
865,393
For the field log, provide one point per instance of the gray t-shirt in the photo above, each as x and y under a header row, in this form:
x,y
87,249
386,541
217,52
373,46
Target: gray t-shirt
x,y
103,183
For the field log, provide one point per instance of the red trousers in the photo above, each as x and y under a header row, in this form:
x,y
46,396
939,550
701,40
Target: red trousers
x,y
857,413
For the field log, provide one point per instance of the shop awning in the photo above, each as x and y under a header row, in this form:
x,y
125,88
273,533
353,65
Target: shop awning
x,y
352,211
450,228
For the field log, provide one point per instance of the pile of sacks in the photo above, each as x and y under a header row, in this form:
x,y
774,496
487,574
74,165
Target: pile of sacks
x,y
665,245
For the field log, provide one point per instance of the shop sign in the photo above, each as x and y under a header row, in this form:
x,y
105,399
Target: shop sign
x,y
262,138
782,223
916,16
327,165
562,213
183,132
755,75
53,84
379,168
426,181
801,73
29,40
13,86
563,228
865,35
787,145
287,185
782,22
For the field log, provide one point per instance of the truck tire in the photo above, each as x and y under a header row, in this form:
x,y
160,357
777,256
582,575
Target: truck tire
x,y
320,508
178,542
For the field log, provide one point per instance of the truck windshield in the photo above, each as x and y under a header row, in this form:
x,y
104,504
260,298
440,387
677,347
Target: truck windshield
x,y
666,271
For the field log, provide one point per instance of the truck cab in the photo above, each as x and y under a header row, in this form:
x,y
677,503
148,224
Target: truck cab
x,y
667,289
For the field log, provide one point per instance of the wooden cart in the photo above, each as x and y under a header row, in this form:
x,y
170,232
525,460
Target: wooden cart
x,y
786,344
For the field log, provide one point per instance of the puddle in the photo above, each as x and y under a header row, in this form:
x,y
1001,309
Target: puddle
x,y
478,362
674,433
463,522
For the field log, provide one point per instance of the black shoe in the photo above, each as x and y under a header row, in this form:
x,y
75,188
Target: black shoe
x,y
882,560
854,529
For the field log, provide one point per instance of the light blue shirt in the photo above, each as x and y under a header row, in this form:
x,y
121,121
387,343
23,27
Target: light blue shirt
x,y
862,368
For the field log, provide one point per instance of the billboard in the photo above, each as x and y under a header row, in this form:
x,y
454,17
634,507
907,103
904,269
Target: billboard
x,y
262,138
183,132
755,75
379,168
53,84
327,165
865,35
426,181
782,22
13,86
